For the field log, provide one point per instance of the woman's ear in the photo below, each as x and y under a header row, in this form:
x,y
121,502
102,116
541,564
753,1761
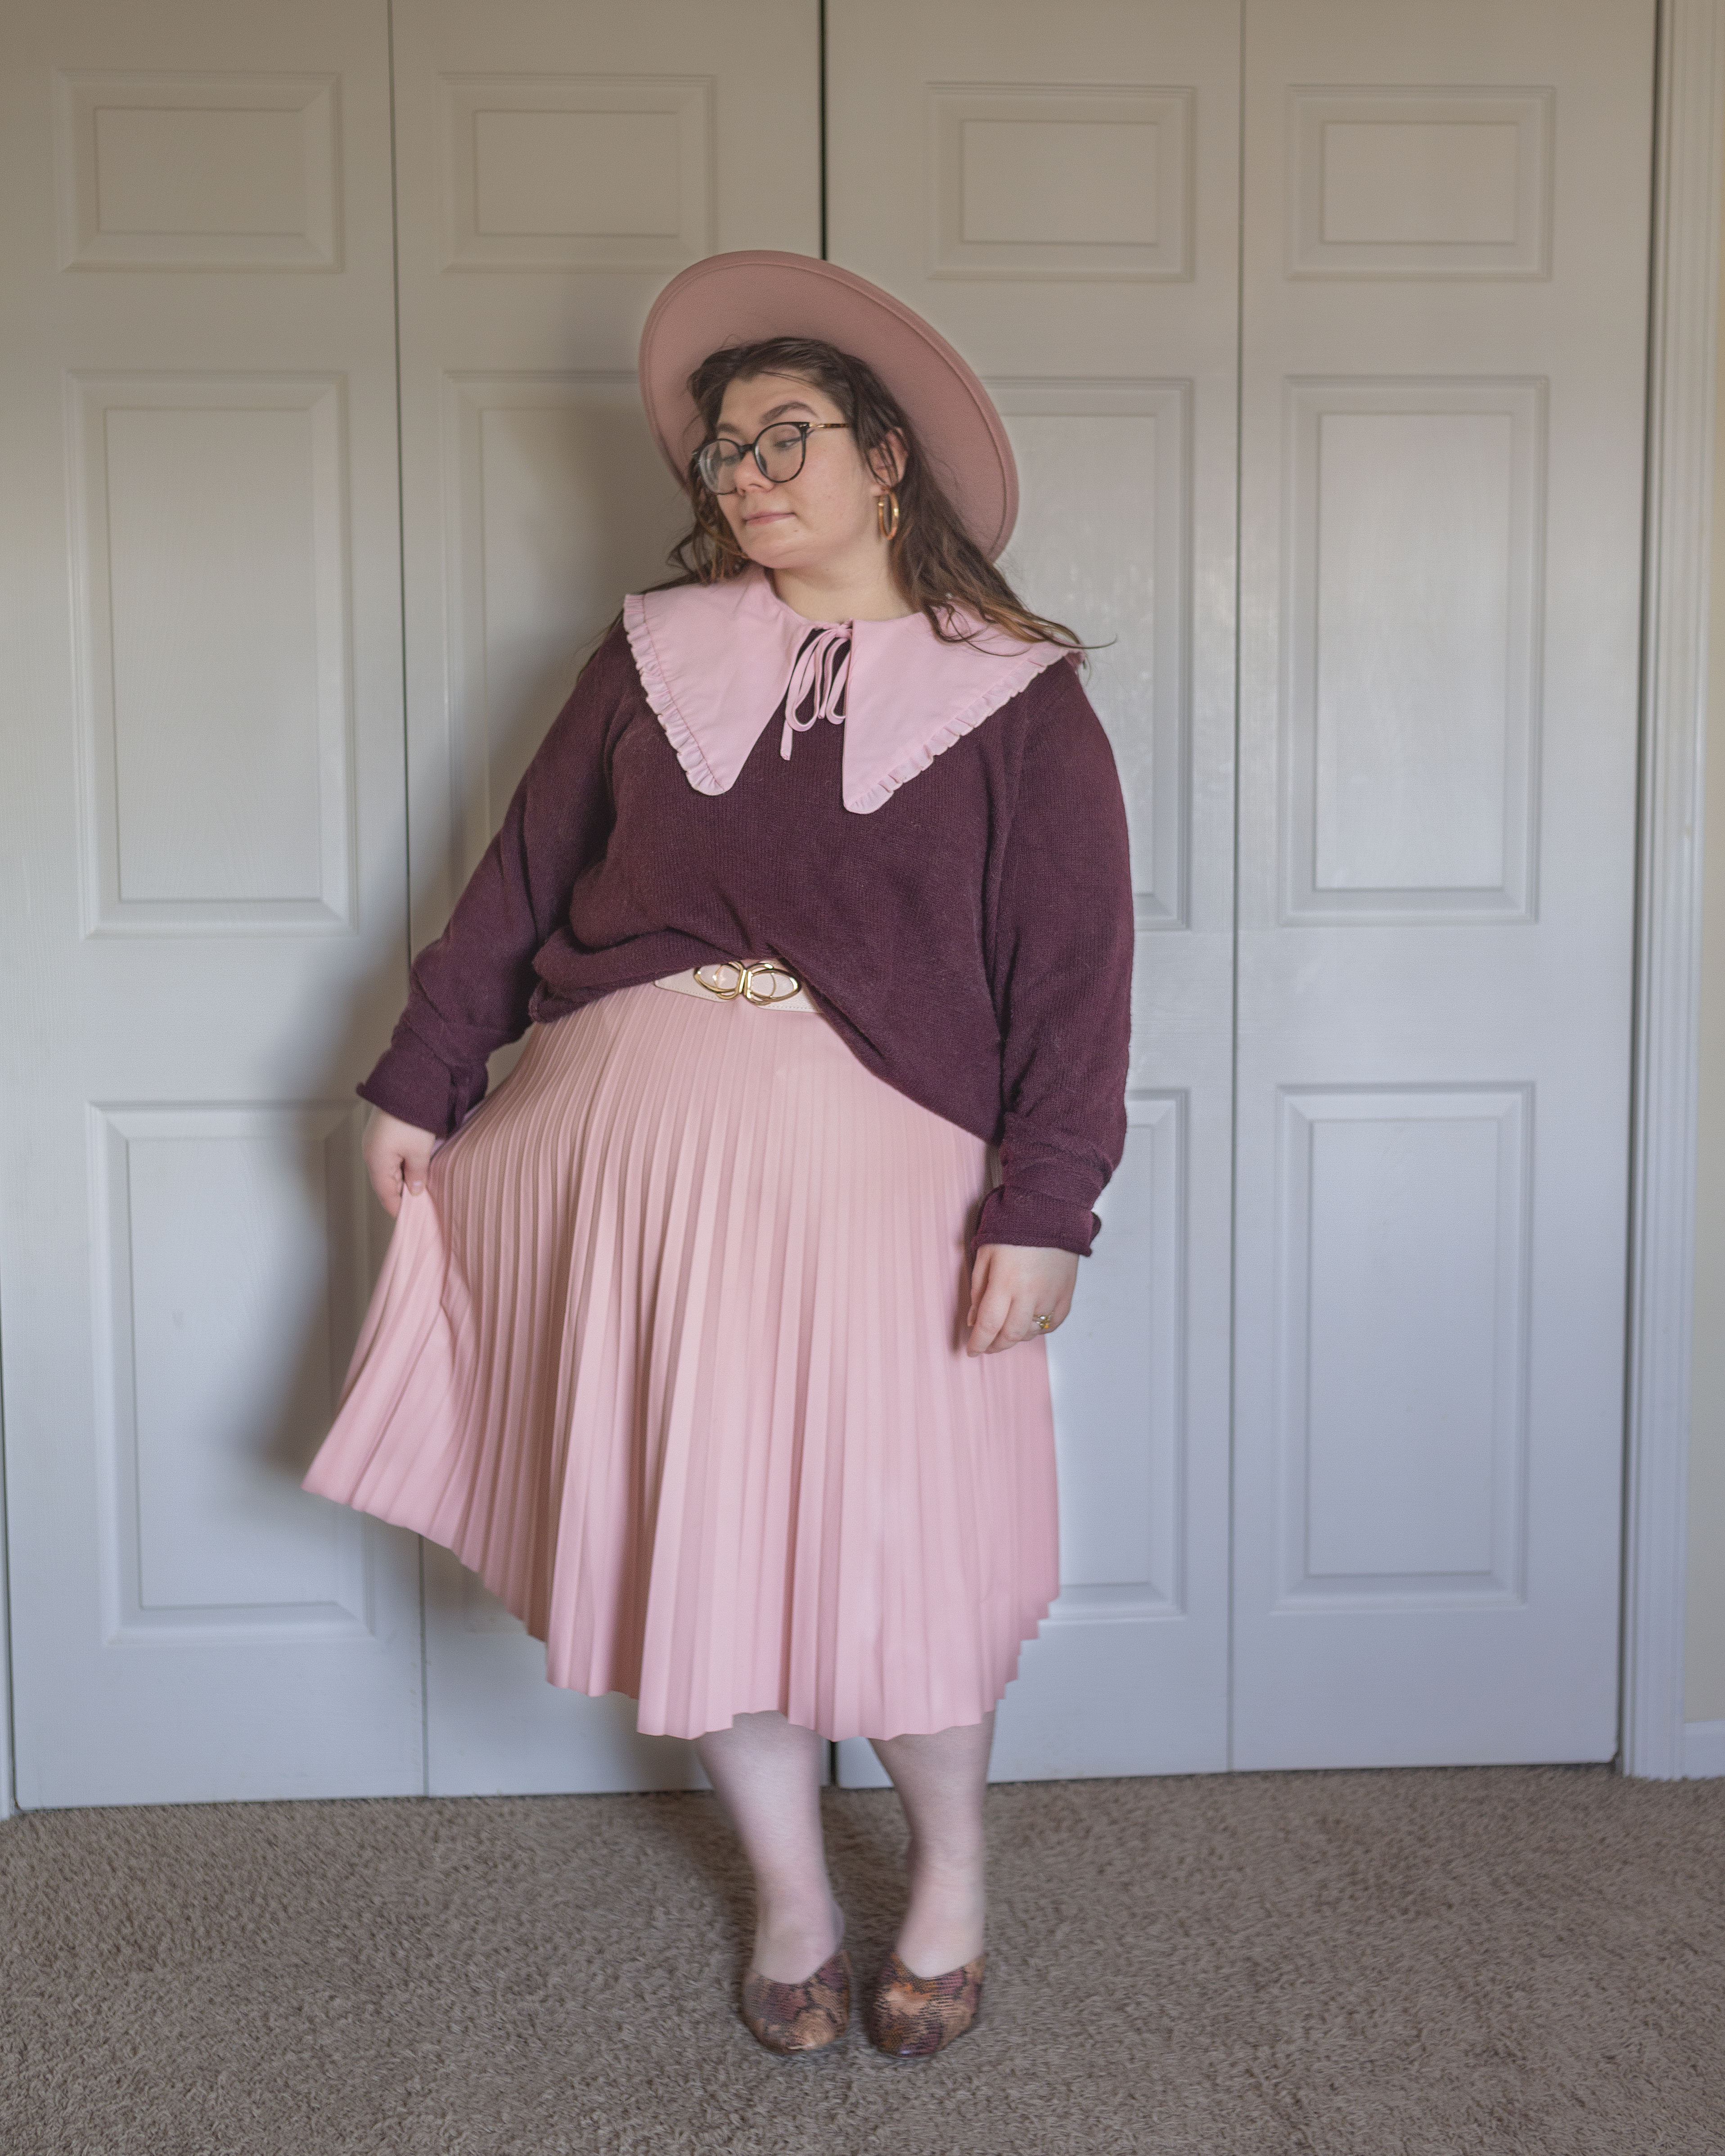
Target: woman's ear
x,y
886,460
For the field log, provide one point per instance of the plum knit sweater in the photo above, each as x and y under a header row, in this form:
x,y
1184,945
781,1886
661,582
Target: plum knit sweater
x,y
970,940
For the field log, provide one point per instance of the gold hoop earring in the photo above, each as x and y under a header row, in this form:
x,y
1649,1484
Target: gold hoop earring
x,y
884,503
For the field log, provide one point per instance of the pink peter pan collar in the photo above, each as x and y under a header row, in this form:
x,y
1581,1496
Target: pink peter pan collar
x,y
718,660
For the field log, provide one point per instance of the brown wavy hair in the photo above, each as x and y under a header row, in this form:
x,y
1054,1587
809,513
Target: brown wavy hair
x,y
936,564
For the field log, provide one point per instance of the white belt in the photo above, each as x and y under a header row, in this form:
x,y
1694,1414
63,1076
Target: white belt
x,y
762,983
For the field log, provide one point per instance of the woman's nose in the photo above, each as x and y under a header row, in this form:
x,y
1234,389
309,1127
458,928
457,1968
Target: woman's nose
x,y
750,478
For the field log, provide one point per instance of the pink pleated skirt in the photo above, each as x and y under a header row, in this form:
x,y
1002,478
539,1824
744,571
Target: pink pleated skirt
x,y
670,1353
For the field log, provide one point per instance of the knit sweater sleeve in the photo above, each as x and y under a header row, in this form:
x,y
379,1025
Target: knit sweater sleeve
x,y
472,989
1063,963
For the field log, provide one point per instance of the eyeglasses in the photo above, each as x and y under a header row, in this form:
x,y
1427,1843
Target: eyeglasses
x,y
779,451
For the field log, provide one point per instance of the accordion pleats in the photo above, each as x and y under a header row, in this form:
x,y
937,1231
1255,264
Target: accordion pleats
x,y
670,1353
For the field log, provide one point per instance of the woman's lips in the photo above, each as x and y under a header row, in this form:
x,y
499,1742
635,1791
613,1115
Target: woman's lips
x,y
768,516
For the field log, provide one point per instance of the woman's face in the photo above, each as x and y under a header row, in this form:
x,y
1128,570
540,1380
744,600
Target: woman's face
x,y
824,519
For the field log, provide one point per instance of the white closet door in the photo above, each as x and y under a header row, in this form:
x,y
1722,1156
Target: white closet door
x,y
1445,249
558,164
1056,188
200,872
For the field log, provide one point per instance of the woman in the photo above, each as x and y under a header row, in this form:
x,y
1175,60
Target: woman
x,y
713,1339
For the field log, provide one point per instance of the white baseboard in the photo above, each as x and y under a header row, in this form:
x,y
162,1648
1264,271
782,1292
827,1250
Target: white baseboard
x,y
1703,1750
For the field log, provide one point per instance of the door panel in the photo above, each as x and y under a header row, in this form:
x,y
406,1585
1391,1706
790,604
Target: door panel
x,y
557,165
1445,246
1057,191
203,867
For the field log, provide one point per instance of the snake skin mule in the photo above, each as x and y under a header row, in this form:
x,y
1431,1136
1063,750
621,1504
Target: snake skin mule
x,y
799,2017
913,2017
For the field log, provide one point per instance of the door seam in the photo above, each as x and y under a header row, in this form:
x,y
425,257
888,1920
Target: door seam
x,y
1239,247
401,556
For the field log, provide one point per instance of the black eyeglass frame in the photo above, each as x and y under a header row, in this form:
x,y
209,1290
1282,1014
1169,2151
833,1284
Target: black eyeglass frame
x,y
804,428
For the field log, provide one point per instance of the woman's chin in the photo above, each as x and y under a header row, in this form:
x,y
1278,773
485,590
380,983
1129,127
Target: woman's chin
x,y
769,550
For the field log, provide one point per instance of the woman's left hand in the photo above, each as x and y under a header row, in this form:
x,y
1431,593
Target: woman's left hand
x,y
1010,1288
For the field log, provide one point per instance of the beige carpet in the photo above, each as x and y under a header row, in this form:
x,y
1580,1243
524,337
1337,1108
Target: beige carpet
x,y
1345,1964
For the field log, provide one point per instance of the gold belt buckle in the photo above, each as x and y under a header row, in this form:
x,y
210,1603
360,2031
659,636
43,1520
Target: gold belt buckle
x,y
737,980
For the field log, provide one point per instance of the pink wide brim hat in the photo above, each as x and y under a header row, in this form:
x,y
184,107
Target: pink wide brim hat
x,y
741,298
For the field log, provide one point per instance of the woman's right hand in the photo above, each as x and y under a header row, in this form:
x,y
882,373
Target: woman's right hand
x,y
397,1157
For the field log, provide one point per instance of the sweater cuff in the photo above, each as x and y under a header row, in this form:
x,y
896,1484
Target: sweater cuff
x,y
1033,1222
409,1082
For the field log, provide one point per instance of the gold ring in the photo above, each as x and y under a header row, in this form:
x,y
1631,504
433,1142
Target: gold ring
x,y
1042,1324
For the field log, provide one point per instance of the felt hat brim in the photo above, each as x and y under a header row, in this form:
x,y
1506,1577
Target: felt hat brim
x,y
741,298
